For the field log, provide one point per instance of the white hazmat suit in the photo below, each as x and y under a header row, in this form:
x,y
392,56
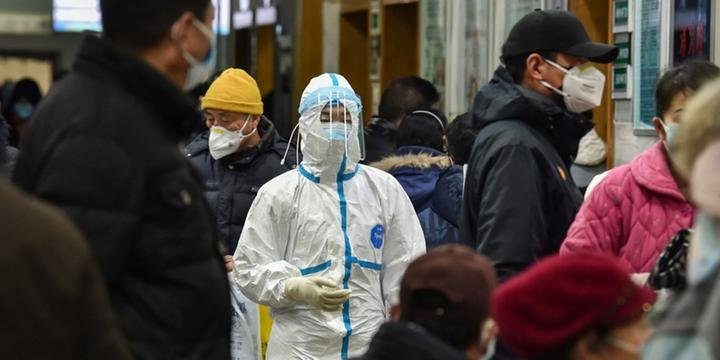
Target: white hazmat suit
x,y
334,219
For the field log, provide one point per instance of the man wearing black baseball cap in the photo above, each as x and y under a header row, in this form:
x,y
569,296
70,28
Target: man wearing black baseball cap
x,y
519,196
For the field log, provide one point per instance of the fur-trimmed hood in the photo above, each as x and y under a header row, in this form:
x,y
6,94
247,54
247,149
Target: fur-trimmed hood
x,y
421,161
417,169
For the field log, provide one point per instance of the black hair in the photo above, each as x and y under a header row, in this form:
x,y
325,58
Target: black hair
x,y
422,129
517,65
461,135
141,24
429,310
689,76
406,94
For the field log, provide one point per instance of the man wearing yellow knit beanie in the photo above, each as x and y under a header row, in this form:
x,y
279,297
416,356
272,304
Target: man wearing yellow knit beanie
x,y
239,153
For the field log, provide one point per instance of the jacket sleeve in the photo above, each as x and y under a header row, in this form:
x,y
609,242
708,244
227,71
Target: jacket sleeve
x,y
404,242
259,265
98,186
598,224
511,222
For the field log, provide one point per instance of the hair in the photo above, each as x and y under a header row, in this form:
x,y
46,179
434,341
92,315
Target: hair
x,y
406,94
700,127
460,333
461,135
517,65
422,129
687,77
141,24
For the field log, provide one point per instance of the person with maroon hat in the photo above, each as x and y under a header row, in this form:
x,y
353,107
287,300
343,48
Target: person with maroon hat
x,y
444,309
579,306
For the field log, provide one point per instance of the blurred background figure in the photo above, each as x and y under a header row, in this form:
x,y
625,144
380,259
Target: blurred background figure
x,y
582,306
8,154
425,171
444,310
53,302
689,328
461,136
637,208
401,97
18,108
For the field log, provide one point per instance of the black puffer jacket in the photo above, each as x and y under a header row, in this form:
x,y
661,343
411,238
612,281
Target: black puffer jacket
x,y
519,197
105,147
403,340
232,182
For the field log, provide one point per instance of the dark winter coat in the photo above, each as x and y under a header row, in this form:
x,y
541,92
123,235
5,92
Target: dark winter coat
x,y
53,303
519,197
434,186
105,147
403,340
8,154
380,140
232,182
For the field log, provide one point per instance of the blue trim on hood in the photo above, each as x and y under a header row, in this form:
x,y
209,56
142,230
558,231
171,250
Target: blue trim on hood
x,y
327,94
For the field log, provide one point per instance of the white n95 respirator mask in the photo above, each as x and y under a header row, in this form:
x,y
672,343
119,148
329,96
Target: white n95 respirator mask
x,y
582,89
223,142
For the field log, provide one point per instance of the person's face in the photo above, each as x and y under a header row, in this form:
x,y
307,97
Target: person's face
x,y
335,114
537,70
188,35
622,343
231,120
671,115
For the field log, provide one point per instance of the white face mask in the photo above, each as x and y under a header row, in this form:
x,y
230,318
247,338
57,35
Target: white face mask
x,y
223,142
582,87
671,130
200,70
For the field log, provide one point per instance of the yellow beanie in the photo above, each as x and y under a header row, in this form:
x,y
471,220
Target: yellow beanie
x,y
234,90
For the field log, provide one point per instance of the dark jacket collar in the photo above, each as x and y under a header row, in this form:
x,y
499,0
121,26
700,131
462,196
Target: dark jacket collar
x,y
102,60
503,99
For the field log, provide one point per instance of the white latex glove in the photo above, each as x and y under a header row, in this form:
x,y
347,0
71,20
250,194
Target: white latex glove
x,y
317,291
640,279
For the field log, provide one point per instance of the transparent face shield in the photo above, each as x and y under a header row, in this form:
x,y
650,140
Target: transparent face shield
x,y
331,120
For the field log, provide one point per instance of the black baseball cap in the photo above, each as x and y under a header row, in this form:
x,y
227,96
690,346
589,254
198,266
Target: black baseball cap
x,y
555,30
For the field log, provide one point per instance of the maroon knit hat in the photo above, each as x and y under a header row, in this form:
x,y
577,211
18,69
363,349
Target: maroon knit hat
x,y
463,277
559,298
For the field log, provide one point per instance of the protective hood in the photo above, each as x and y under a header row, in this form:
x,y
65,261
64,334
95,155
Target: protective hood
x,y
323,156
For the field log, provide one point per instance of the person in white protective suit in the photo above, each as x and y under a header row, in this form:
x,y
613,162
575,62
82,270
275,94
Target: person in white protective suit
x,y
325,246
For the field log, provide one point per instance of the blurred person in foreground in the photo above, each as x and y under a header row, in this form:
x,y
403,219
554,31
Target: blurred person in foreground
x,y
53,303
637,208
427,175
441,314
689,327
581,306
106,146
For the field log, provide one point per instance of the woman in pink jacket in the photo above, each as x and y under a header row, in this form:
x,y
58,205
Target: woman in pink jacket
x,y
638,207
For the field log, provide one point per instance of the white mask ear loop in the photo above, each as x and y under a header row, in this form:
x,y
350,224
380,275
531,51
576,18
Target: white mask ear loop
x,y
287,148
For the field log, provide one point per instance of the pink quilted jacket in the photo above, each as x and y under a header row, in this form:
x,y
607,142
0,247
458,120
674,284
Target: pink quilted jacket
x,y
632,213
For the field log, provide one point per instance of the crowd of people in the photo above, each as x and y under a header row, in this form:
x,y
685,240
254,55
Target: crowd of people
x,y
129,235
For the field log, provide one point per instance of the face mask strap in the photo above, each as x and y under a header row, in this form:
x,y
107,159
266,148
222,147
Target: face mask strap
x,y
287,148
566,71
